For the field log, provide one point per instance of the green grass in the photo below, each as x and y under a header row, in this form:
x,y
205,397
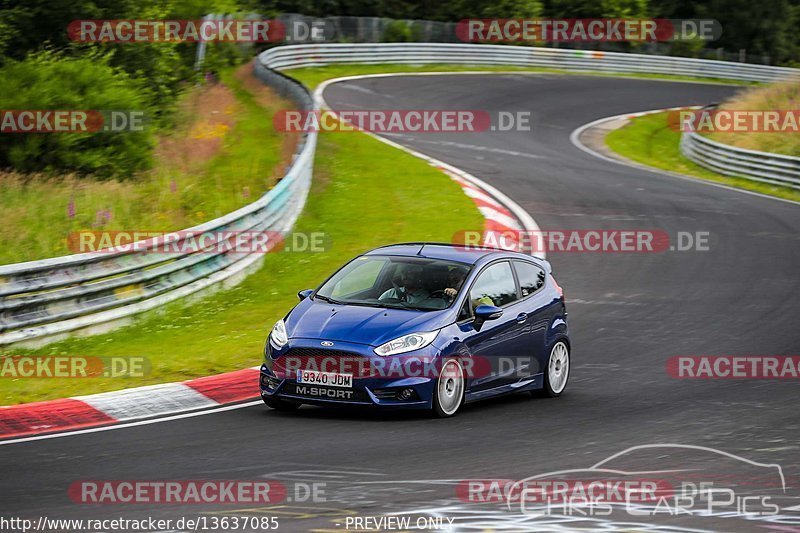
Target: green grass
x,y
39,212
313,76
783,95
648,140
364,194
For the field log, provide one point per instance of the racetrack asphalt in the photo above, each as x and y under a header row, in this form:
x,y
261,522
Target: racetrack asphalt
x,y
629,313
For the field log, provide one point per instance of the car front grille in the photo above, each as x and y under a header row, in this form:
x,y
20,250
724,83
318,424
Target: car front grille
x,y
337,361
319,352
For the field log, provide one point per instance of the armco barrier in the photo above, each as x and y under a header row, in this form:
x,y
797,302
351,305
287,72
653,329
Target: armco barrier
x,y
62,294
771,168
52,296
286,57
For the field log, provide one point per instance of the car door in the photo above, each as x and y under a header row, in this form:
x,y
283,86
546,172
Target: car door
x,y
498,343
531,279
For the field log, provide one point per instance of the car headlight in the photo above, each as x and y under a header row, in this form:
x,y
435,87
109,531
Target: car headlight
x,y
278,334
406,343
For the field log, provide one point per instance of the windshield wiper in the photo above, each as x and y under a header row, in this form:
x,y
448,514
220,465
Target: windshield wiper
x,y
387,305
326,299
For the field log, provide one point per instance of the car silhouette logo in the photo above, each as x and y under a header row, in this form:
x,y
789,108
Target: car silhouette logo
x,y
326,343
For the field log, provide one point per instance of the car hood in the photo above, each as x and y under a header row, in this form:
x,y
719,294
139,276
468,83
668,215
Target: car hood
x,y
359,324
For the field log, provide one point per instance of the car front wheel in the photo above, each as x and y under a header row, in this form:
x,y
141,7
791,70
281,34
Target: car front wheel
x,y
448,395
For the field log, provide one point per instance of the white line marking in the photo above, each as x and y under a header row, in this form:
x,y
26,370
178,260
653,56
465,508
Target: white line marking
x,y
526,219
474,147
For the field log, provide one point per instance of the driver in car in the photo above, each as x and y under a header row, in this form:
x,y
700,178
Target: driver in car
x,y
410,289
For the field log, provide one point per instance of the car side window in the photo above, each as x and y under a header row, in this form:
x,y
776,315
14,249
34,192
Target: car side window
x,y
494,286
465,312
531,277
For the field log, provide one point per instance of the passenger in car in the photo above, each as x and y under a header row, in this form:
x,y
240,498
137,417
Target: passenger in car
x,y
454,280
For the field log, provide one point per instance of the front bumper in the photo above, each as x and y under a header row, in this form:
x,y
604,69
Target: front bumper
x,y
379,387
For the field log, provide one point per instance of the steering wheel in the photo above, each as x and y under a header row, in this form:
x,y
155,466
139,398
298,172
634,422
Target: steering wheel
x,y
437,294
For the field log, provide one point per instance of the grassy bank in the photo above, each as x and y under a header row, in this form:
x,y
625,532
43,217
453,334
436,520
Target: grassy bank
x,y
223,154
365,194
778,96
649,140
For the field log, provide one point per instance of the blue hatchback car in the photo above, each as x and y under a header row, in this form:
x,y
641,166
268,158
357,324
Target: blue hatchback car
x,y
422,326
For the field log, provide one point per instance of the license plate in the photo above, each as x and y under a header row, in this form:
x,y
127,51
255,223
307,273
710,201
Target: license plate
x,y
330,379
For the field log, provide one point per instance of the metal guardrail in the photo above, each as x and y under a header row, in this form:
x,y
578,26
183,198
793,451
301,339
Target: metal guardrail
x,y
61,294
311,55
730,160
58,295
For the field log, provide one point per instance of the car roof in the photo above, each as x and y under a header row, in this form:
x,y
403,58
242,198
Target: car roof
x,y
446,251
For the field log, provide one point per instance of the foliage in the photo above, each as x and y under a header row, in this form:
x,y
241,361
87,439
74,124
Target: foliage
x,y
687,48
48,80
397,32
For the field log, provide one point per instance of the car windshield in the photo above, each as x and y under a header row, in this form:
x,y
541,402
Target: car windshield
x,y
396,282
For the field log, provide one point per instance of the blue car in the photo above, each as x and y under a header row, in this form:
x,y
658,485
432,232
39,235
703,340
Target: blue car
x,y
421,326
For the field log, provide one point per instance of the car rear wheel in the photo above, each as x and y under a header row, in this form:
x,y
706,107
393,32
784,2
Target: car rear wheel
x,y
448,394
280,405
557,371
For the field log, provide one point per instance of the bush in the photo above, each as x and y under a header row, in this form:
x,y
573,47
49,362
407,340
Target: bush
x,y
47,80
687,48
397,32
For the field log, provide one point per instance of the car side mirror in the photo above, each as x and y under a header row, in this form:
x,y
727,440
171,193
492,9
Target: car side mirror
x,y
486,312
305,294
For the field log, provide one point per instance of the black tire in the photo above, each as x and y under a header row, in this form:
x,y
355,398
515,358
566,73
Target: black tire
x,y
556,384
444,407
280,405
